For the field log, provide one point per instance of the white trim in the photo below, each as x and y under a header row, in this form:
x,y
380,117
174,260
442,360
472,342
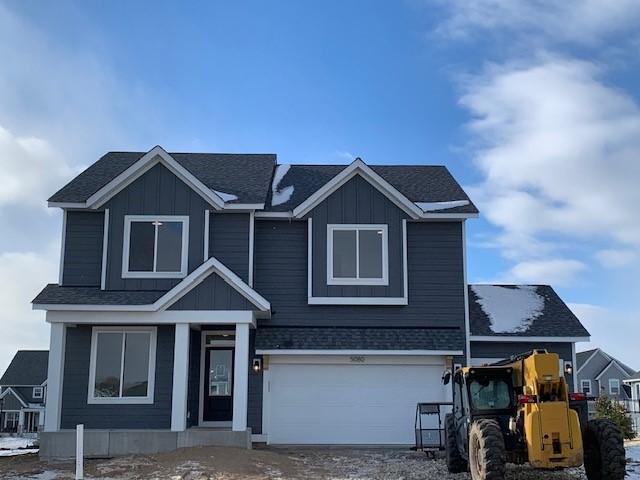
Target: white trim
x,y
357,301
241,378
63,240
467,327
273,215
105,246
500,338
8,390
595,352
205,242
358,167
213,265
358,227
251,245
180,377
55,377
204,317
616,381
612,363
184,257
357,352
582,383
153,332
309,259
39,389
574,364
154,156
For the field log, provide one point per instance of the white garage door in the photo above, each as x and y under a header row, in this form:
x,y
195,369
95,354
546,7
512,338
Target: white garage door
x,y
349,404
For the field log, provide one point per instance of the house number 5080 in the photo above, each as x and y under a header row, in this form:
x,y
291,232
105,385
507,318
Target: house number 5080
x,y
358,359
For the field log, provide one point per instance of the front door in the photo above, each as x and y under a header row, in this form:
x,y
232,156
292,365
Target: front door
x,y
218,384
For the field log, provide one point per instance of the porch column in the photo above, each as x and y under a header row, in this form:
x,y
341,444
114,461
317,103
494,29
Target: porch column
x,y
55,377
180,378
241,378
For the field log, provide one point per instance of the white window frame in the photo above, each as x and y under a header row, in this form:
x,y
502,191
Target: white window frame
x,y
40,393
582,385
331,280
614,381
184,258
91,398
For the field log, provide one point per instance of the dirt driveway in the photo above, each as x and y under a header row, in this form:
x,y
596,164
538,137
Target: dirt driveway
x,y
273,464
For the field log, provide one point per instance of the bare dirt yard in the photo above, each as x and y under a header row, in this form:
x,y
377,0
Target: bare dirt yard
x,y
274,464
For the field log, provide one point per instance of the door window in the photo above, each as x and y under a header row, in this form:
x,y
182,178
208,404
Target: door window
x,y
220,372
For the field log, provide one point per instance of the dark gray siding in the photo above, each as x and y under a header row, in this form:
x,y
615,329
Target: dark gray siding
x,y
193,392
229,241
506,349
157,192
75,408
212,294
436,293
83,249
357,201
254,404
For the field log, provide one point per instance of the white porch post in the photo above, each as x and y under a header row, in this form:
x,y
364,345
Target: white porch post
x,y
54,377
180,378
241,378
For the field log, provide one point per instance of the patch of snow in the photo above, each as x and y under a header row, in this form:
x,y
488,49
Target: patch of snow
x,y
280,195
226,197
434,206
510,309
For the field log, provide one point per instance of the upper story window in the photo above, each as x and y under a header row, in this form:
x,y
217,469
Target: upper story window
x,y
614,386
122,365
38,392
357,254
155,246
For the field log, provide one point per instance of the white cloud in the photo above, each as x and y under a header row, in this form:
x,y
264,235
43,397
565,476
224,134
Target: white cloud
x,y
613,257
558,149
23,276
610,330
582,21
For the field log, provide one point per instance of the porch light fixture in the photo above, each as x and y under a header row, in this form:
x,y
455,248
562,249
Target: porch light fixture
x,y
257,365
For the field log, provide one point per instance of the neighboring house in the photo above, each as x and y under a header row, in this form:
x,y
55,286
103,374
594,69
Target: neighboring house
x,y
634,404
292,304
23,390
601,374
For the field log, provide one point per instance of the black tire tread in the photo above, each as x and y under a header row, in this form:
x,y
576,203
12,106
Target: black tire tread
x,y
604,454
492,441
455,462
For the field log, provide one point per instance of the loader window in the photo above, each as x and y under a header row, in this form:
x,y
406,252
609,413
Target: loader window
x,y
489,394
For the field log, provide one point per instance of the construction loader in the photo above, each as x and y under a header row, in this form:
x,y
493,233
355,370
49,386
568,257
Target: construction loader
x,y
520,411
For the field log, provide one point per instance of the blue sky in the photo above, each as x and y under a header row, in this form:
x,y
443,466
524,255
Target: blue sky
x,y
532,106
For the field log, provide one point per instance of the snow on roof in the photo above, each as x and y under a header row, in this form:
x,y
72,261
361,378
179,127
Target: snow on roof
x,y
510,309
433,206
279,195
226,197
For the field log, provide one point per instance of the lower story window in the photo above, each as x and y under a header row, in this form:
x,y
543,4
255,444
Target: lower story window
x,y
122,366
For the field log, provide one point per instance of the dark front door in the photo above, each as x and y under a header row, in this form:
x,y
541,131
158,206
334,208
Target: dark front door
x,y
218,384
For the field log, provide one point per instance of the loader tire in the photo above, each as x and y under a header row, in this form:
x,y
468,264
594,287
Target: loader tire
x,y
455,462
486,451
604,454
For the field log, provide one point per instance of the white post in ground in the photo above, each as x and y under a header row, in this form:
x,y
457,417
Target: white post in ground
x,y
241,378
54,378
79,452
180,378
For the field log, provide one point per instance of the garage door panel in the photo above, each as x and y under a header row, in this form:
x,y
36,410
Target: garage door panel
x,y
349,404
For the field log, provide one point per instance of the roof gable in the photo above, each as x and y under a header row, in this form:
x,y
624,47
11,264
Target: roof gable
x,y
28,367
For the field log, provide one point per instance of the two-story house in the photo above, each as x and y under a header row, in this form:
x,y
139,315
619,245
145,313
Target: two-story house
x,y
223,299
23,391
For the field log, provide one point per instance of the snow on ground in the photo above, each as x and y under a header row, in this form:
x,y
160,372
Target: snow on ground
x,y
226,197
280,195
434,206
10,446
510,309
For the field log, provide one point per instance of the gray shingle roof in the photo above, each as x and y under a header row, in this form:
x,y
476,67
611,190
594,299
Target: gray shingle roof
x,y
331,338
555,319
248,176
419,183
54,294
28,367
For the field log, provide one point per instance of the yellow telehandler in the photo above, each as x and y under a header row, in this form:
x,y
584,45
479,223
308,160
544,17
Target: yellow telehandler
x,y
520,410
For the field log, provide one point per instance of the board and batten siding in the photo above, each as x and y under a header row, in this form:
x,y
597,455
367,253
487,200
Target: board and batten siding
x,y
435,269
82,264
229,241
156,192
75,408
357,201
